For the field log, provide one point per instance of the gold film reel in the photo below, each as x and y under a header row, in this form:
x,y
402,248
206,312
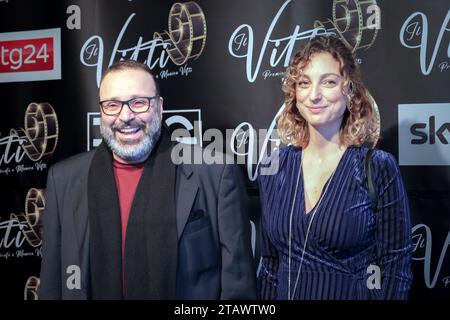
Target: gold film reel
x,y
350,23
187,32
34,206
41,131
31,286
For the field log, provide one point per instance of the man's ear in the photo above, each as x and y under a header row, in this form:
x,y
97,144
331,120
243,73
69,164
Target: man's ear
x,y
161,103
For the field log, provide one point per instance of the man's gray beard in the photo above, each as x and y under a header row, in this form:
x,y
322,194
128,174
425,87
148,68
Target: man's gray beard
x,y
134,152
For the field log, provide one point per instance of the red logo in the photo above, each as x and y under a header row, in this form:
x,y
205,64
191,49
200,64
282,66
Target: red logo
x,y
33,55
27,55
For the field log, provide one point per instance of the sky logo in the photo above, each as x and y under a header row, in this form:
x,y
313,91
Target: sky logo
x,y
424,134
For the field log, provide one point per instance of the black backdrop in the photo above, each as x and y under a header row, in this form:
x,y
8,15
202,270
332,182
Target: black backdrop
x,y
235,79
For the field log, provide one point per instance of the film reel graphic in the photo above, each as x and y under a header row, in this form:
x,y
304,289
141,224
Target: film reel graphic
x,y
34,206
187,32
349,22
41,131
31,286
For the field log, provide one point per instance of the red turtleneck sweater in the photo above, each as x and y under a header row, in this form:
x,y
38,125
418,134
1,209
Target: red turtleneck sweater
x,y
127,178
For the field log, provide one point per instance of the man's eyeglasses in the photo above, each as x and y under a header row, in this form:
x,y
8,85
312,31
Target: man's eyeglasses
x,y
137,105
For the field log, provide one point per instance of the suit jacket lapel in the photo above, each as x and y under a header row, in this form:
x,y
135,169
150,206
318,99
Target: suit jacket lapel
x,y
187,189
81,229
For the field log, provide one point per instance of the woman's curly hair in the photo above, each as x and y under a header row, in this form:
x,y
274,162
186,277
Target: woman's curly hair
x,y
359,126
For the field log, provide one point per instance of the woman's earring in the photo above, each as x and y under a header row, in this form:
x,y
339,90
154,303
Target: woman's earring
x,y
349,105
350,96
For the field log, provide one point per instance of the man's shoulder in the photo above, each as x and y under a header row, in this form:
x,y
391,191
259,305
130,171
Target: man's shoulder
x,y
203,169
74,164
204,165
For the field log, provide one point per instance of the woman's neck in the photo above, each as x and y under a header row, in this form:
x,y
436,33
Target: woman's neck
x,y
323,142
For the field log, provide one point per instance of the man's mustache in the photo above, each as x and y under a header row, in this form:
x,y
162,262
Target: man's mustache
x,y
133,124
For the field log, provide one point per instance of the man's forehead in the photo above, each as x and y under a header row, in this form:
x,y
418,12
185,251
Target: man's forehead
x,y
117,74
128,79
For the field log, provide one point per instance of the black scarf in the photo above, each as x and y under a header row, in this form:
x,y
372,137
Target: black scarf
x,y
151,236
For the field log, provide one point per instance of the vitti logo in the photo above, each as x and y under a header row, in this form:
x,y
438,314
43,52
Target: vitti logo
x,y
184,40
429,135
424,134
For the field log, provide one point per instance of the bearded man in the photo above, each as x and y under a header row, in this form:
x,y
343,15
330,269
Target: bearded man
x,y
125,222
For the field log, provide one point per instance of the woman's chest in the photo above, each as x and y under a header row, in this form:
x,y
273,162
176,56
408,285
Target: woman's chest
x,y
342,222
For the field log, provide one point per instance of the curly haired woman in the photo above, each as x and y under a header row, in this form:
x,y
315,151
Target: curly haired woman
x,y
325,234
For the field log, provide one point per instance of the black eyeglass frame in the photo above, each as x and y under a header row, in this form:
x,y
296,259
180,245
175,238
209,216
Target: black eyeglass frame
x,y
127,102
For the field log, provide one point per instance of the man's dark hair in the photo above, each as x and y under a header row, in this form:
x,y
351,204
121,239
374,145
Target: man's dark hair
x,y
133,65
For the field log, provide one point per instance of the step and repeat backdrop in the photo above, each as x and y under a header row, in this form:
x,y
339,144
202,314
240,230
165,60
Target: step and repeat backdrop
x,y
219,64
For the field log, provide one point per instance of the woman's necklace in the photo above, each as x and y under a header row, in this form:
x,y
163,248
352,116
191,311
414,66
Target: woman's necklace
x,y
291,296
